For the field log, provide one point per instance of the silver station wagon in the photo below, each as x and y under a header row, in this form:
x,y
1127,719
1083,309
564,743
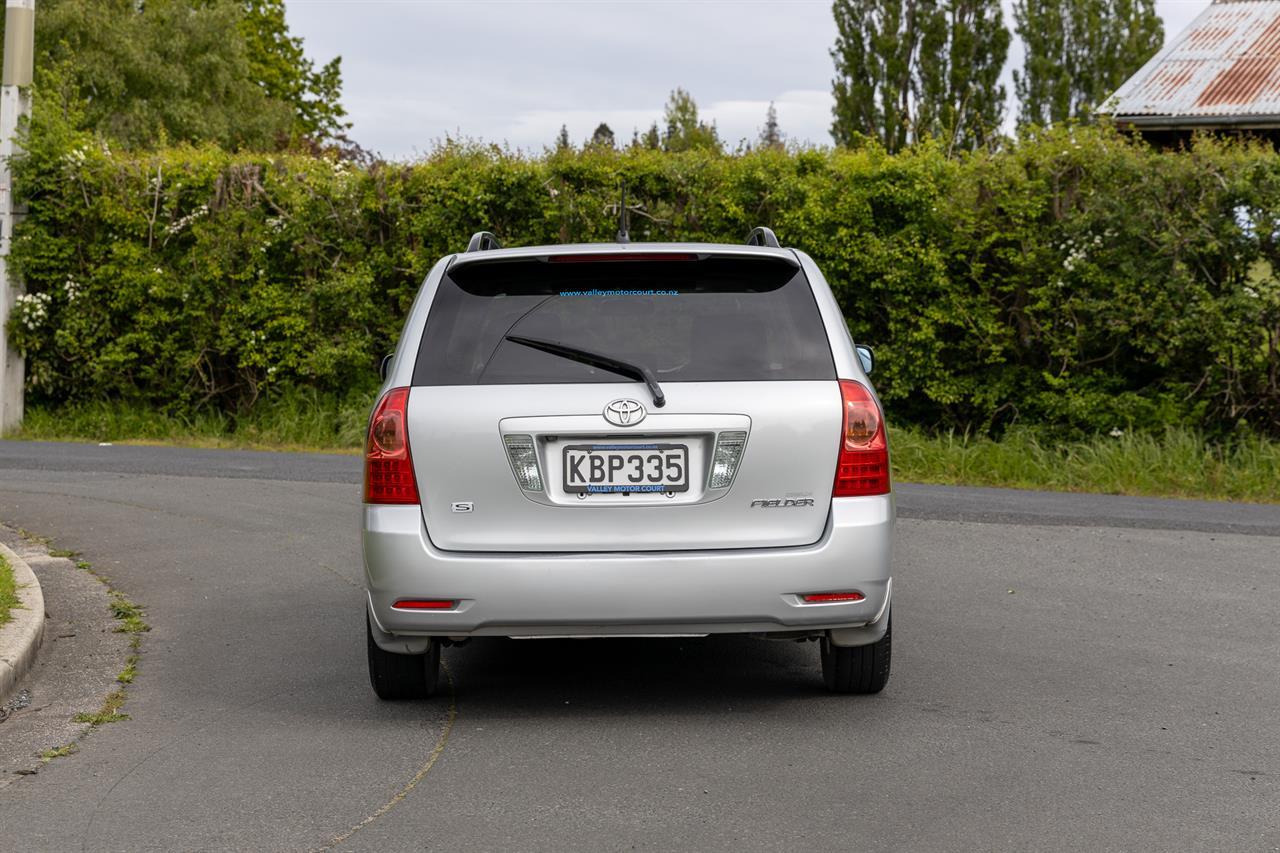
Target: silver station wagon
x,y
627,439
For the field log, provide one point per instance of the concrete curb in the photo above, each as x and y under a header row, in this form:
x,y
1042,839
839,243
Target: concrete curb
x,y
20,637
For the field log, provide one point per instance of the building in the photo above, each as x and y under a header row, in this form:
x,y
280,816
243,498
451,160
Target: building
x,y
1221,74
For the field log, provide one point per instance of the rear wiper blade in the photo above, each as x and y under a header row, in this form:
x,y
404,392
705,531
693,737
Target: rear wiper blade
x,y
604,362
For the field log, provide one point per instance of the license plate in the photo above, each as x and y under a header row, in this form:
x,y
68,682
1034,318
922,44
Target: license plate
x,y
626,468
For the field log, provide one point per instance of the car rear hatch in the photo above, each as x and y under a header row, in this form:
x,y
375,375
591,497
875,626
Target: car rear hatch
x,y
532,428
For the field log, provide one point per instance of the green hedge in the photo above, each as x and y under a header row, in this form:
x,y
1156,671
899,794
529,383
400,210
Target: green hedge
x,y
1077,279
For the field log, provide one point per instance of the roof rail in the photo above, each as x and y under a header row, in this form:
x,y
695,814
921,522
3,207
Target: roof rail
x,y
483,241
762,236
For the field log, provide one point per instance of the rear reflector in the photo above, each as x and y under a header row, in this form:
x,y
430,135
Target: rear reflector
x,y
863,464
724,462
388,467
829,597
592,258
424,604
524,461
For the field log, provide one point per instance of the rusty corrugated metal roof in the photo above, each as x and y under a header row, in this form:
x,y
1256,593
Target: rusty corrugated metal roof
x,y
1224,65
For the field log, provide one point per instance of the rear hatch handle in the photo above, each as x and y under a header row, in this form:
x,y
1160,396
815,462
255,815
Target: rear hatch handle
x,y
604,362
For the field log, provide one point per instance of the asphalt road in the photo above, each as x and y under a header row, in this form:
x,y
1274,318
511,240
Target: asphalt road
x,y
1071,672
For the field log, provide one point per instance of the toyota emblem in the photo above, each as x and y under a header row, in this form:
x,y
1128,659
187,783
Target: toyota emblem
x,y
625,412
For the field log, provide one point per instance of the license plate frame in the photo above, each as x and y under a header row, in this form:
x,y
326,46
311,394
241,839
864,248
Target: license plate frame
x,y
610,485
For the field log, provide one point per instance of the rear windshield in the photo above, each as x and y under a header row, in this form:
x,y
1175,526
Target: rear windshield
x,y
717,319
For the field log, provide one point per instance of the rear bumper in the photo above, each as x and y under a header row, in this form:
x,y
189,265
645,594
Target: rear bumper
x,y
647,592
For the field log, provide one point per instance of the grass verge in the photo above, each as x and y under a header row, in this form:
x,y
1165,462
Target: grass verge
x,y
1178,463
294,420
8,590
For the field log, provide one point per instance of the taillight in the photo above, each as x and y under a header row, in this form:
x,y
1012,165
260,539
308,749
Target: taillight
x,y
863,465
388,467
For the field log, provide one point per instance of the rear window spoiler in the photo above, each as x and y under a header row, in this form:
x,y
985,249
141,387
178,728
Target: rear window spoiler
x,y
607,252
483,247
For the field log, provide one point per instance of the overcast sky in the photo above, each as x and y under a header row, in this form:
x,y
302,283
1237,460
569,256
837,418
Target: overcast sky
x,y
514,71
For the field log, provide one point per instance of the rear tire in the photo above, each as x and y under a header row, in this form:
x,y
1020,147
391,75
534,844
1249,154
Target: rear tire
x,y
857,669
396,677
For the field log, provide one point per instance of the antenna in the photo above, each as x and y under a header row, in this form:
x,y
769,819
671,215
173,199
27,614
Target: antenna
x,y
623,225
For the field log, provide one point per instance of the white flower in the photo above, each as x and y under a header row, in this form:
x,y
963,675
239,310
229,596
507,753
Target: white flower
x,y
75,157
188,219
1074,257
32,309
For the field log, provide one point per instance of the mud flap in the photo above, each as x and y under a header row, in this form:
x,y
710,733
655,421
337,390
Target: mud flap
x,y
864,635
397,643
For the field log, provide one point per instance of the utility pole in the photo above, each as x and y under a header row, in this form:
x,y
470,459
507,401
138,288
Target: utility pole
x,y
15,104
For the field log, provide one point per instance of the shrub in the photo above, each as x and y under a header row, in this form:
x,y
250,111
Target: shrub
x,y
1076,279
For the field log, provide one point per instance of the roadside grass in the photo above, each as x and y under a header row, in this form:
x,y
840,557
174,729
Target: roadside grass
x,y
1178,463
58,752
130,671
297,420
109,713
129,620
128,614
1175,463
8,591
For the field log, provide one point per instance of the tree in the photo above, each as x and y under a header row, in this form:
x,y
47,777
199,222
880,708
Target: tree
x,y
1044,86
602,137
964,45
278,63
907,69
771,136
562,139
1079,52
165,71
874,54
652,138
684,130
